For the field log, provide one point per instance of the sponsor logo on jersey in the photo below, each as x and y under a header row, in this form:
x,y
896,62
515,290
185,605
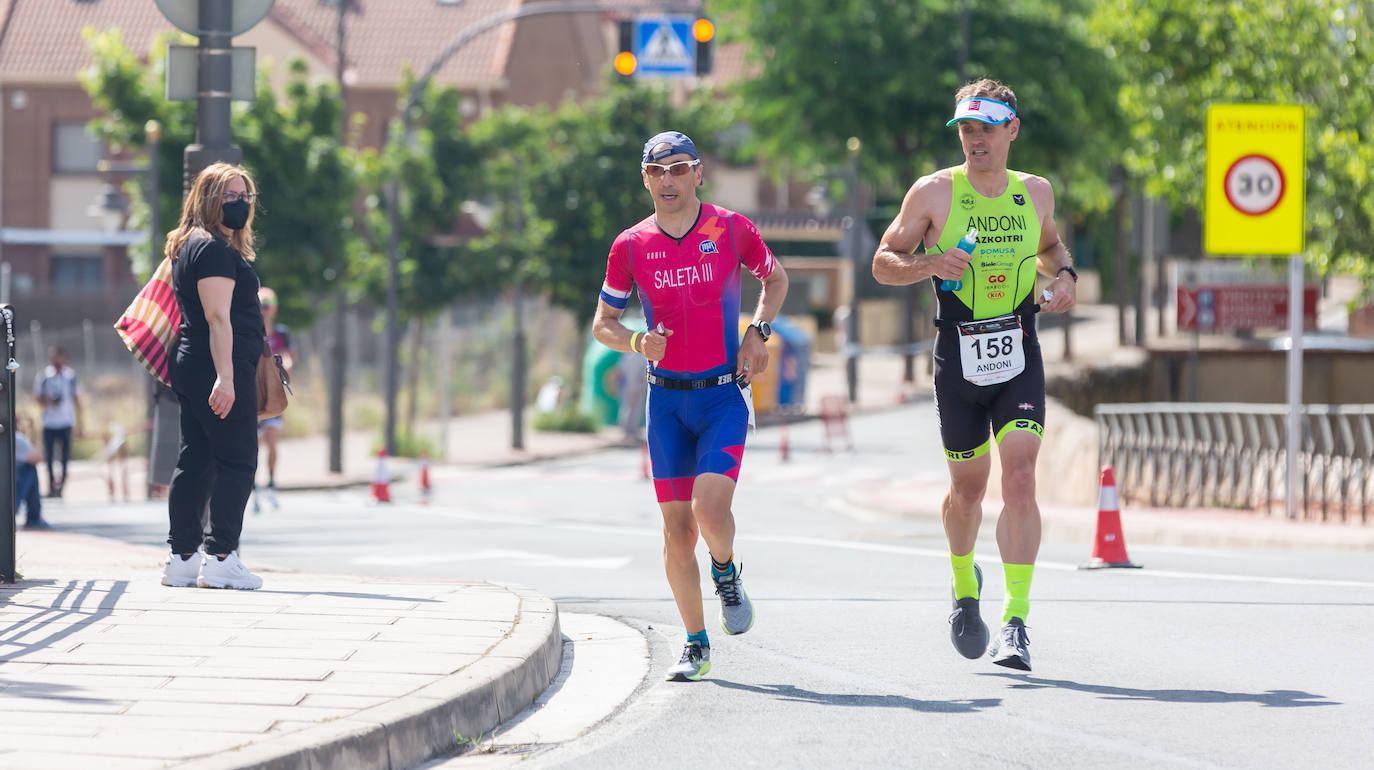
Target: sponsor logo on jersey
x,y
966,200
1018,199
708,247
657,255
683,276
996,294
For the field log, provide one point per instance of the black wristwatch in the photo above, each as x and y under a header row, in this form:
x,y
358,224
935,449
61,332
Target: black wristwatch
x,y
1069,269
765,329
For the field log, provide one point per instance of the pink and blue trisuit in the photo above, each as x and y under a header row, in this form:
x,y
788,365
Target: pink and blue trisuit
x,y
697,416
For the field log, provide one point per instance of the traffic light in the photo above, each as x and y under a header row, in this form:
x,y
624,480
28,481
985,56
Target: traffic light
x,y
703,31
625,62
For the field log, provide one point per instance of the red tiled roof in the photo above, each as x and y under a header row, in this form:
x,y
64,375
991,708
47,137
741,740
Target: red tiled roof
x,y
384,36
40,40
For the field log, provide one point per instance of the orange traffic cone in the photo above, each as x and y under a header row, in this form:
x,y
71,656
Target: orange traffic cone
x,y
1109,546
381,483
425,489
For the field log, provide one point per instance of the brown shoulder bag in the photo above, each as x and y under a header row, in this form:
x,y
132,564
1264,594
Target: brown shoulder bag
x,y
273,385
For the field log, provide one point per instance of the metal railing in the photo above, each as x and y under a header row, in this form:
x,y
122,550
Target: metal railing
x,y
1234,456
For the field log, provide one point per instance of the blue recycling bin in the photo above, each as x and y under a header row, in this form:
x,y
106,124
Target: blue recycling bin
x,y
794,364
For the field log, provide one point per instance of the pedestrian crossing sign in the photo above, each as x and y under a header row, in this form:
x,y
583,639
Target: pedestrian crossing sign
x,y
664,45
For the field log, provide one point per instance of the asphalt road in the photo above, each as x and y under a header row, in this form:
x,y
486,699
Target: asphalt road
x,y
1208,657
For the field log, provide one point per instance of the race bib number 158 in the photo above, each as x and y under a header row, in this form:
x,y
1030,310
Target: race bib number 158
x,y
990,351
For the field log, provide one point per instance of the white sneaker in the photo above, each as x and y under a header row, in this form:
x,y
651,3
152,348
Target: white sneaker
x,y
272,497
180,573
226,573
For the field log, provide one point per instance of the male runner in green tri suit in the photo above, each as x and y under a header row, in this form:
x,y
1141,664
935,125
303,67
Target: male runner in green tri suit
x,y
989,376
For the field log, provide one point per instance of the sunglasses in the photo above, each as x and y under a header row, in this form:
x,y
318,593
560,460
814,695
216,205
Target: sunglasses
x,y
680,168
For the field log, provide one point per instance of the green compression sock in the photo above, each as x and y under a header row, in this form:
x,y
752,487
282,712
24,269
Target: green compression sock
x,y
1017,602
965,582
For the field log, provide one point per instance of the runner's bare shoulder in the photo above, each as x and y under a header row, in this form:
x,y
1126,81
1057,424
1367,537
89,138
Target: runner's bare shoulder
x,y
1040,190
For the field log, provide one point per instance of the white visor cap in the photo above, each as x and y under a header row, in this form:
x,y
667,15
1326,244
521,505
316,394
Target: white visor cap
x,y
984,109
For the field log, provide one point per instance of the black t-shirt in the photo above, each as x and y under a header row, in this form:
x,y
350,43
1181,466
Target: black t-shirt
x,y
208,257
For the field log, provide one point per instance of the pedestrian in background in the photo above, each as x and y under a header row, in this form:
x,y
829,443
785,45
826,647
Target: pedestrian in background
x,y
59,394
269,430
26,460
214,378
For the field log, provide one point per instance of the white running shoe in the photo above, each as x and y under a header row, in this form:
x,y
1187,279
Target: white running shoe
x,y
272,497
228,572
181,573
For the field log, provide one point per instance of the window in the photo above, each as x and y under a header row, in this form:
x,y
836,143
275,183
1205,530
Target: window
x,y
74,150
76,273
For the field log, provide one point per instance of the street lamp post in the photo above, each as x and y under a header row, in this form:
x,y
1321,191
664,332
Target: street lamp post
x,y
852,241
163,407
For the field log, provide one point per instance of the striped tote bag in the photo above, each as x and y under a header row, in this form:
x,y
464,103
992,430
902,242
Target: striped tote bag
x,y
149,325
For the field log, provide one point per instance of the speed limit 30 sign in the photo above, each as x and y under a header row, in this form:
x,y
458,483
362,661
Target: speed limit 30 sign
x,y
1255,198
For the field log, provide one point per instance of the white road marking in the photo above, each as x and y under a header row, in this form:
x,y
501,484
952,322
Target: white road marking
x,y
497,554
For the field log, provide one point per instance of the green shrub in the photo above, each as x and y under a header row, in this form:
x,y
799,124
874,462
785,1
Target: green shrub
x,y
569,420
408,445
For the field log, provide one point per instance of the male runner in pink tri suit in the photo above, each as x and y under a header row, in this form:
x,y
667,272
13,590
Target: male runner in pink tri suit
x,y
686,261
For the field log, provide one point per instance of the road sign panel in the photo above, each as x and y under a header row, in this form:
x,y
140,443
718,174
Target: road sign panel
x,y
185,14
664,45
1228,308
1255,192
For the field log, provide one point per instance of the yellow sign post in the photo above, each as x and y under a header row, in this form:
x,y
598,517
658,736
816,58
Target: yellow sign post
x,y
1255,193
1255,201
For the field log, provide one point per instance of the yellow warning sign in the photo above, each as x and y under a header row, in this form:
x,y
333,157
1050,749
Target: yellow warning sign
x,y
1255,194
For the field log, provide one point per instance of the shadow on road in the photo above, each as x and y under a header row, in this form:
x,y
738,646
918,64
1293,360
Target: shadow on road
x,y
789,692
1270,698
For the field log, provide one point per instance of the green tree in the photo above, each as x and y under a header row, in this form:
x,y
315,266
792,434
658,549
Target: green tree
x,y
579,169
885,71
438,167
291,146
1180,57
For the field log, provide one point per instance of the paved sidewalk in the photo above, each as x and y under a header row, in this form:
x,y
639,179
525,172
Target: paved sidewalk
x,y
100,666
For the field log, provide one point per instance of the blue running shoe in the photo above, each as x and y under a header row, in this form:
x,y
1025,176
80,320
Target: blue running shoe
x,y
966,627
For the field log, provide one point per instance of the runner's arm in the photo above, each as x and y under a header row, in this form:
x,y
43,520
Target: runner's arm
x,y
1053,254
894,264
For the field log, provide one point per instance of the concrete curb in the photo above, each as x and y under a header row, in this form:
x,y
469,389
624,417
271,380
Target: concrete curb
x,y
429,721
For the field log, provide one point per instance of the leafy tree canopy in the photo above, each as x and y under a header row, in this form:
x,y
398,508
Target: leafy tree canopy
x,y
885,71
290,146
1179,57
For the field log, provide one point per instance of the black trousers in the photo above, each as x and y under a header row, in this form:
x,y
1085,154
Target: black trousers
x,y
57,439
218,457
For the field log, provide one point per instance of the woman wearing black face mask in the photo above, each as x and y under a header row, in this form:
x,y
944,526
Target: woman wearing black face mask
x,y
214,379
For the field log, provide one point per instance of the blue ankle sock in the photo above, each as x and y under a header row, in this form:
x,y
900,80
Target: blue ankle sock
x,y
700,638
719,569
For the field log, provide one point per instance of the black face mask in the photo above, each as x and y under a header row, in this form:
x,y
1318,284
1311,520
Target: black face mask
x,y
235,214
